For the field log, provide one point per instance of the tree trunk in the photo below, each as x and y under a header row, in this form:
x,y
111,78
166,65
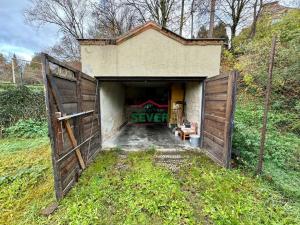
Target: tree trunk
x,y
233,33
212,18
192,19
181,18
256,12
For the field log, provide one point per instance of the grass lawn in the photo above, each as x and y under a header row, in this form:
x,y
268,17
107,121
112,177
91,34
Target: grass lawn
x,y
26,182
135,190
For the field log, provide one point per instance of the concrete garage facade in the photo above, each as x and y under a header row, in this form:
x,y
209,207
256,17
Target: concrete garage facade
x,y
149,53
151,50
137,91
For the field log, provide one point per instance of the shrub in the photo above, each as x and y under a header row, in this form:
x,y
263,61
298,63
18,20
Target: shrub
x,y
21,103
253,59
27,128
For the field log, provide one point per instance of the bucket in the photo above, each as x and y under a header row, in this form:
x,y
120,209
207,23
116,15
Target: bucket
x,y
194,140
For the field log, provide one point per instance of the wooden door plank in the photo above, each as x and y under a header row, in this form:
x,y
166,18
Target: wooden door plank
x,y
57,99
217,122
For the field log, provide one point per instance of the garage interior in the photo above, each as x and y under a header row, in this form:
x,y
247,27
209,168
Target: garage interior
x,y
145,114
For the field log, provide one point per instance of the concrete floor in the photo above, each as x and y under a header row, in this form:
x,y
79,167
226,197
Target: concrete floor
x,y
135,137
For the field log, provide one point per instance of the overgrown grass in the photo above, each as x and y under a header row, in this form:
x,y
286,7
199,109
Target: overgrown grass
x,y
133,190
282,149
26,182
138,194
230,197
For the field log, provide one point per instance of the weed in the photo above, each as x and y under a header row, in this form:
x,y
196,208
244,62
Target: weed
x,y
151,149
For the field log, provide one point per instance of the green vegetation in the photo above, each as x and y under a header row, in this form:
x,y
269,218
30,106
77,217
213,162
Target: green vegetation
x,y
252,58
140,193
28,129
26,182
20,103
231,197
134,190
33,87
282,155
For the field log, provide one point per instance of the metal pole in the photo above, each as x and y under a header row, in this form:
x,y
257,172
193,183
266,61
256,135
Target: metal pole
x,y
267,105
21,76
13,70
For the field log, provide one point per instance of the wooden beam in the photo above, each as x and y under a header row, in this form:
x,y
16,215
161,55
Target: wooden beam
x,y
74,143
266,109
67,117
51,129
78,146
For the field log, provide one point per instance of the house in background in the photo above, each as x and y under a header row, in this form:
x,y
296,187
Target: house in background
x,y
275,10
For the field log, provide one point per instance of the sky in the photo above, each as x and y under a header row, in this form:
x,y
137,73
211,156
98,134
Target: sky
x,y
18,37
24,40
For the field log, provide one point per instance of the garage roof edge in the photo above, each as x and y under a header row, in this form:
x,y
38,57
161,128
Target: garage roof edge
x,y
151,25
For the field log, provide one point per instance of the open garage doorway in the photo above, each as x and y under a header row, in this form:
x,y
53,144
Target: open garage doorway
x,y
143,114
84,112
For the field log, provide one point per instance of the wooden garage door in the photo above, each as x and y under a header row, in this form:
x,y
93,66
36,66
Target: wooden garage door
x,y
73,107
218,113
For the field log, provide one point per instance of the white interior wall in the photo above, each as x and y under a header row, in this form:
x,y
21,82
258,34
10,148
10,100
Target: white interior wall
x,y
193,99
112,100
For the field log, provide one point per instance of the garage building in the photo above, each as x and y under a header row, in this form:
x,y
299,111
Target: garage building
x,y
132,92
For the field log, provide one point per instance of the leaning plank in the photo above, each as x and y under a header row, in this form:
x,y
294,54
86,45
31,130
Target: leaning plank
x,y
74,143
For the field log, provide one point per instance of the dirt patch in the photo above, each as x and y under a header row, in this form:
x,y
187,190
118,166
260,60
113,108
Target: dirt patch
x,y
171,160
121,161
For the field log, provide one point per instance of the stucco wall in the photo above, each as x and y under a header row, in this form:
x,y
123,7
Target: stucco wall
x,y
193,99
151,54
112,108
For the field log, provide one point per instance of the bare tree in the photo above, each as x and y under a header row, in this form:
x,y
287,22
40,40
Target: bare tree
x,y
234,13
112,18
67,48
212,18
257,7
199,15
158,10
70,16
